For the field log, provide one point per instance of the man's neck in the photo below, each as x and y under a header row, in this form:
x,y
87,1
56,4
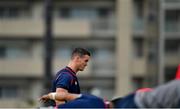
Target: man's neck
x,y
73,67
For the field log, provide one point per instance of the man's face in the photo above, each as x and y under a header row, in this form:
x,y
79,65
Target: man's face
x,y
82,62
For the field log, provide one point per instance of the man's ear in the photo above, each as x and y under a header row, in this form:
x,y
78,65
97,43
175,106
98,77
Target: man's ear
x,y
76,58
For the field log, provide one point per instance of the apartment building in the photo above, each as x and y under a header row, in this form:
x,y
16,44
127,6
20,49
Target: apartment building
x,y
117,33
170,33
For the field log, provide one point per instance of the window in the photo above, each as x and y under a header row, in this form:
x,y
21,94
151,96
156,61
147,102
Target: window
x,y
138,23
104,62
16,52
103,12
138,48
1,12
172,46
170,73
82,13
64,53
14,49
64,12
2,52
172,20
7,92
14,11
103,54
152,55
86,13
172,1
138,8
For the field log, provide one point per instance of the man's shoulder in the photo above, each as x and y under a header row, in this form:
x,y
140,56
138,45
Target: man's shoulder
x,y
63,72
62,69
65,69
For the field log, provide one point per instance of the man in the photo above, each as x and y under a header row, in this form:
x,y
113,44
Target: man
x,y
164,96
66,80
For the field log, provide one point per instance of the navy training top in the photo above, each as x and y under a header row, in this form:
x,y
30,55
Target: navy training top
x,y
85,101
66,79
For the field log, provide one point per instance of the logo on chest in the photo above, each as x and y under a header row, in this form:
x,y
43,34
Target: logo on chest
x,y
75,83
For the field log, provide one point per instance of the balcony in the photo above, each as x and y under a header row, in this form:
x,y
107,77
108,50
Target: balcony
x,y
35,28
71,28
21,67
103,27
172,26
172,1
139,67
32,67
172,29
21,28
172,59
138,27
172,4
104,68
24,28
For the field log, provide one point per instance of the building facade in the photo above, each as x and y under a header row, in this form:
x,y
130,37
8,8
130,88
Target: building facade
x,y
122,35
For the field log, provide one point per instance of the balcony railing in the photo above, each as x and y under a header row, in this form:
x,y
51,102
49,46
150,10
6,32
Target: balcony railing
x,y
171,4
172,27
103,27
138,25
172,58
67,28
21,67
172,1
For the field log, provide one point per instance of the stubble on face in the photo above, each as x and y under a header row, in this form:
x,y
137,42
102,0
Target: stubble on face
x,y
84,60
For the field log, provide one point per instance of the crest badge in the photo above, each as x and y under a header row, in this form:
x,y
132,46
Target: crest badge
x,y
75,82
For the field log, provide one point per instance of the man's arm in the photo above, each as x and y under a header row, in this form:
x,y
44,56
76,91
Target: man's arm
x,y
60,91
63,96
66,96
62,85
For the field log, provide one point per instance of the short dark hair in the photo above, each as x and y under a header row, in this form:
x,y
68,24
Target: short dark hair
x,y
80,52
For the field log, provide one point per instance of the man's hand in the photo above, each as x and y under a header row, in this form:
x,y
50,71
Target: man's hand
x,y
44,98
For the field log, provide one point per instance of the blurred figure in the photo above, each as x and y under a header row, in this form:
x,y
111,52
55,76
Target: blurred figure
x,y
164,96
178,72
66,80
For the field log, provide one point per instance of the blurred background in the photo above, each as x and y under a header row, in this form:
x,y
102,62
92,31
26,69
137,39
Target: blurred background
x,y
134,44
